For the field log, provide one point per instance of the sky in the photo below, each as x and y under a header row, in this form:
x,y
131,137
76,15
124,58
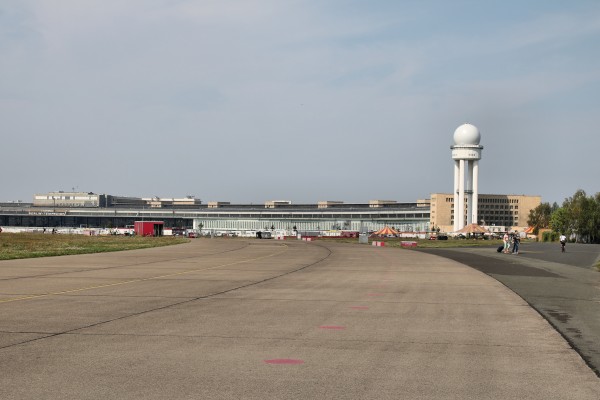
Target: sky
x,y
303,100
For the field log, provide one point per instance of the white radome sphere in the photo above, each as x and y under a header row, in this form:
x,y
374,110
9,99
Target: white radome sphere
x,y
466,134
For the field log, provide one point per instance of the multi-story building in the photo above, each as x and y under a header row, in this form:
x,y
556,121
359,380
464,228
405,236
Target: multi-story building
x,y
162,202
92,200
69,199
508,212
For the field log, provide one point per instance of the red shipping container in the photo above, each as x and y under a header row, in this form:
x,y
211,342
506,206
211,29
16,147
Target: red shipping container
x,y
149,228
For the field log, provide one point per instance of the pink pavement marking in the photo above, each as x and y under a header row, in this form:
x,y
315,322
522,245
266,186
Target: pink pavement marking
x,y
359,307
374,294
284,361
336,327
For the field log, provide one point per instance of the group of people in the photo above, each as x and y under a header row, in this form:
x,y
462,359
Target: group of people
x,y
513,238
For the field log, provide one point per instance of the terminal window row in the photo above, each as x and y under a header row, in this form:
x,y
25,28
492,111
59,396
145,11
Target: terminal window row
x,y
315,216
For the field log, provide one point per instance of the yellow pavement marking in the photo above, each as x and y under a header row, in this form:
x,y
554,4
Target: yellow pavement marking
x,y
37,296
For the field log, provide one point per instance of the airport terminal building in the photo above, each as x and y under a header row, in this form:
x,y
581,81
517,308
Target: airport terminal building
x,y
90,210
321,217
83,209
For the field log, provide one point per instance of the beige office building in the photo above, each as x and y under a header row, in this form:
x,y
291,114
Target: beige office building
x,y
496,211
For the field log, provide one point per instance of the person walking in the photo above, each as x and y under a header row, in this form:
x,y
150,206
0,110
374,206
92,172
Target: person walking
x,y
563,242
506,241
516,242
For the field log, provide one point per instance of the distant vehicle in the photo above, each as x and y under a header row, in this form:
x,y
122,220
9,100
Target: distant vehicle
x,y
264,235
192,235
177,231
349,234
438,237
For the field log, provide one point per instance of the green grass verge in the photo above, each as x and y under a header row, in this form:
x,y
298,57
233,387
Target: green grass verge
x,y
31,245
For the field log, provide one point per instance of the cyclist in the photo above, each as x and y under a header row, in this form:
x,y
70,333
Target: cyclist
x,y
563,242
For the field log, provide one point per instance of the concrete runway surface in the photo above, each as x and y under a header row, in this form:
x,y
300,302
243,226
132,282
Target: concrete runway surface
x,y
250,319
563,287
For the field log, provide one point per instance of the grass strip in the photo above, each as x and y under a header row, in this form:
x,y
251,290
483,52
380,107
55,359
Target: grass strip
x,y
32,245
424,243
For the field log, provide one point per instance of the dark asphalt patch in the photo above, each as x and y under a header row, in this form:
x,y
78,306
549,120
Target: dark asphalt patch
x,y
560,316
491,265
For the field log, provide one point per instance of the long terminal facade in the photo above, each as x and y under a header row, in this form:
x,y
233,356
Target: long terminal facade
x,y
497,211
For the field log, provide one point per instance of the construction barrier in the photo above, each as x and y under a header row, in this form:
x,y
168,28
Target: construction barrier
x,y
378,244
405,243
307,239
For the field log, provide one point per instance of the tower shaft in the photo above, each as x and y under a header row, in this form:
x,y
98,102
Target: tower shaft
x,y
466,154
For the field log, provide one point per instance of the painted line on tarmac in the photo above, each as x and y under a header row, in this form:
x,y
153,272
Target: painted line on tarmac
x,y
37,296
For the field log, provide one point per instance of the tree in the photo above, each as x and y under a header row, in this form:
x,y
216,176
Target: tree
x,y
595,238
578,211
539,217
579,216
559,222
589,223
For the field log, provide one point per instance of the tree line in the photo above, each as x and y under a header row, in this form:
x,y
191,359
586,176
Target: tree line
x,y
578,218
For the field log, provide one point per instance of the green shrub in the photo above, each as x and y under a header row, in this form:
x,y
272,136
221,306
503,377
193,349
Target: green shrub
x,y
546,236
549,237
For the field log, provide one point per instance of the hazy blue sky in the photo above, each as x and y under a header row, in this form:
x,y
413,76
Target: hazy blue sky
x,y
303,100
